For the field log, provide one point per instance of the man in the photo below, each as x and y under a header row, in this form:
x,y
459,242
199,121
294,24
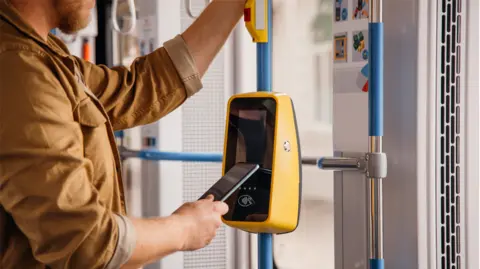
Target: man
x,y
60,183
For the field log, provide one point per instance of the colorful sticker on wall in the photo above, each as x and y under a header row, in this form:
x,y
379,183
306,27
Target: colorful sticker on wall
x,y
340,47
341,10
360,46
362,79
360,9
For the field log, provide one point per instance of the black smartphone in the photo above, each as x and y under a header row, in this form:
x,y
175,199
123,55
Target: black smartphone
x,y
231,181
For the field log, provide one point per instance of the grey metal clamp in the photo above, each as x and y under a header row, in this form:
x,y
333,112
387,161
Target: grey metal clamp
x,y
376,165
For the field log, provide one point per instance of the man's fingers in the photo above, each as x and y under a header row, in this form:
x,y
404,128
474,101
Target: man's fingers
x,y
221,208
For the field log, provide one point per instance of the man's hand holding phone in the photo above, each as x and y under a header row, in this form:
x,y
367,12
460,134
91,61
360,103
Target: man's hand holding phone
x,y
201,218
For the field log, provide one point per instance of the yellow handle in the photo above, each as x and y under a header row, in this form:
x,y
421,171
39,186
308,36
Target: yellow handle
x,y
256,19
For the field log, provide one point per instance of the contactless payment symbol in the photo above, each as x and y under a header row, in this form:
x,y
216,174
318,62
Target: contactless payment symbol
x,y
246,200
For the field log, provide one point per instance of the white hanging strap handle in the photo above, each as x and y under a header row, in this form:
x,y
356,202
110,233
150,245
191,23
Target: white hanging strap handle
x,y
133,16
188,5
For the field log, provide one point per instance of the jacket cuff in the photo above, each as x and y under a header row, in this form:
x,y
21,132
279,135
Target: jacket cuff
x,y
127,240
184,63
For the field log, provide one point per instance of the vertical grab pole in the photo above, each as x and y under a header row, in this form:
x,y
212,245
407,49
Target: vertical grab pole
x,y
264,55
375,118
264,83
258,21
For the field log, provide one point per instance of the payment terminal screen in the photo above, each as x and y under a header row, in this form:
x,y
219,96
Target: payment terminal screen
x,y
250,140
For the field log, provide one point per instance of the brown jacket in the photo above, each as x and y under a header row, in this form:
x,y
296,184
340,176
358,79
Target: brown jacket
x,y
60,184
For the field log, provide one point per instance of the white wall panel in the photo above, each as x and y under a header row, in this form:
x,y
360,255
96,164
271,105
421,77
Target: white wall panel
x,y
203,125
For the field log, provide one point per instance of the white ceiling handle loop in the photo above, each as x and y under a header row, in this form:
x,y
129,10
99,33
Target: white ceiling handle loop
x,y
188,6
133,16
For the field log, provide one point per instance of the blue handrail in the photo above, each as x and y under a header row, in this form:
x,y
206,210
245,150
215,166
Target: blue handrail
x,y
264,83
375,122
154,155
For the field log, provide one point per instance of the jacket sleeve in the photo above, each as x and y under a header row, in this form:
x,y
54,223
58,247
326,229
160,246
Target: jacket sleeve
x,y
153,86
45,182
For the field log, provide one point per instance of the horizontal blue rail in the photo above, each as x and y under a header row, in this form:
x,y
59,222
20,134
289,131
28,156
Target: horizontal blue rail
x,y
155,155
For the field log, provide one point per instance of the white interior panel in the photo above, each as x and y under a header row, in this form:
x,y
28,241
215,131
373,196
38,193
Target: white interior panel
x,y
425,193
162,182
302,68
472,150
203,124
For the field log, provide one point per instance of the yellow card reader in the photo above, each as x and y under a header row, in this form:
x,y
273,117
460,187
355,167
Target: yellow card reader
x,y
261,129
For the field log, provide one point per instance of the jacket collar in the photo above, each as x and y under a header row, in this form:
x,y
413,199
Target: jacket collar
x,y
10,15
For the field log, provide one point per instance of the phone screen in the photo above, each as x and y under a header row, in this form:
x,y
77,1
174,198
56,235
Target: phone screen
x,y
231,181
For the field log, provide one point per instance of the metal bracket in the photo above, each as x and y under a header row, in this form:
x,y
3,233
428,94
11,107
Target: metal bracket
x,y
126,153
342,163
376,165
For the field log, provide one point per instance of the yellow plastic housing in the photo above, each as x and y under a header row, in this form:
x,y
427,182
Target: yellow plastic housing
x,y
285,191
251,17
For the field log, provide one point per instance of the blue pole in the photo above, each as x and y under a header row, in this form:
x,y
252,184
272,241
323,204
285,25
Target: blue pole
x,y
264,57
265,251
264,83
375,81
375,121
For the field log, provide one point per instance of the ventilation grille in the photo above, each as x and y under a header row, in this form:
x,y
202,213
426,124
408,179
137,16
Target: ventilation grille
x,y
450,189
203,128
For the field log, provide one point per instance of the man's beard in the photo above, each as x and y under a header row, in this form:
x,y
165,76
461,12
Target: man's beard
x,y
72,17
